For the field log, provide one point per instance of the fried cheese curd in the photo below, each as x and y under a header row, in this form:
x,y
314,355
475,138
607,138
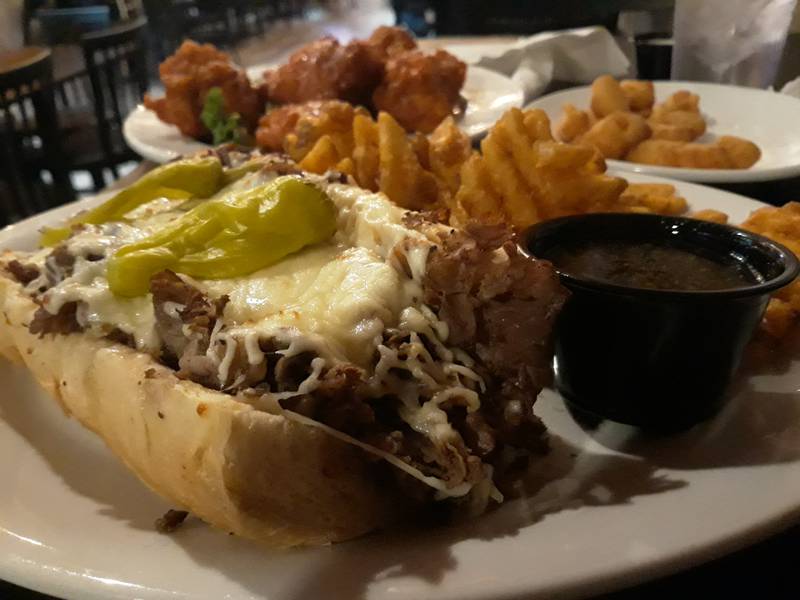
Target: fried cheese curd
x,y
623,122
781,224
617,134
188,75
727,152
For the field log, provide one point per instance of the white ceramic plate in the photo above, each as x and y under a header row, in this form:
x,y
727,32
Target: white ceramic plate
x,y
488,96
765,118
75,523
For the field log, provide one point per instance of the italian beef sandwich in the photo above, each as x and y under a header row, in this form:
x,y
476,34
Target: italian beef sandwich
x,y
288,357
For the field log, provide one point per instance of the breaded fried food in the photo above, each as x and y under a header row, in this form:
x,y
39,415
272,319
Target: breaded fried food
x,y
386,42
607,97
682,100
617,134
688,124
573,124
709,214
658,198
674,133
782,225
639,94
188,75
741,152
727,152
421,90
325,70
279,122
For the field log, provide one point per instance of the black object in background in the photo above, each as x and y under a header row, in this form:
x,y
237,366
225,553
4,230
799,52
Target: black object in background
x,y
513,17
653,55
33,176
658,359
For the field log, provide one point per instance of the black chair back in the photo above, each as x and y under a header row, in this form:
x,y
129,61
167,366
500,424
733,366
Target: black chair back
x,y
117,68
33,175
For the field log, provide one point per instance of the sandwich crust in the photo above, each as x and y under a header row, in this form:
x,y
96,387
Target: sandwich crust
x,y
252,473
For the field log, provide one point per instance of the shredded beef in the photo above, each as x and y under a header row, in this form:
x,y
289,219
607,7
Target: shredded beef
x,y
63,322
343,404
170,521
231,155
23,273
62,257
198,312
291,371
59,265
121,337
500,307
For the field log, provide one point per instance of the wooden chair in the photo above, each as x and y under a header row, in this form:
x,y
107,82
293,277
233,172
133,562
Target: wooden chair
x,y
93,104
117,67
33,175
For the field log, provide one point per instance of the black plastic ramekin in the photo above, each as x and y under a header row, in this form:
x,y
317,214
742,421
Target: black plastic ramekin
x,y
658,359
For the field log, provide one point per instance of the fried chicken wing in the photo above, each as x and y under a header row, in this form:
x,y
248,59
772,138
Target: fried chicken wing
x,y
325,70
279,122
188,75
421,90
386,42
296,128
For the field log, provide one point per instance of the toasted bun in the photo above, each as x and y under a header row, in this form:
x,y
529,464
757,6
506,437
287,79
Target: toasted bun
x,y
255,474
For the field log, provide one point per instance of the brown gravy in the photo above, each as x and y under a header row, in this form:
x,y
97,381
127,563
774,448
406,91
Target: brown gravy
x,y
652,266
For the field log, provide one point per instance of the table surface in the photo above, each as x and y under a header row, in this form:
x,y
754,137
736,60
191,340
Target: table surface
x,y
67,59
21,57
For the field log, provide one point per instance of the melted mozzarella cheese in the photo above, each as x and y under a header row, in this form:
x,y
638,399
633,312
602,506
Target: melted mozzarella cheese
x,y
345,297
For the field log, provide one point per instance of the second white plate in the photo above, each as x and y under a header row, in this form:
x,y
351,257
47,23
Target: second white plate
x,y
488,96
763,117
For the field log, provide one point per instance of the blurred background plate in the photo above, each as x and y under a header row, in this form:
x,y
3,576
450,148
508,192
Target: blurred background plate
x,y
155,140
764,117
488,95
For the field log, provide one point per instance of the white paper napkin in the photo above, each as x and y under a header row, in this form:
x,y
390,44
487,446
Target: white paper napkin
x,y
792,88
574,55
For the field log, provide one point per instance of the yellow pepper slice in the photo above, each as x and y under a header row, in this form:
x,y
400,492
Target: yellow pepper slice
x,y
230,236
199,178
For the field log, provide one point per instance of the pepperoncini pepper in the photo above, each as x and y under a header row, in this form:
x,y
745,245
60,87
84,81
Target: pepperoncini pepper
x,y
229,236
198,178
